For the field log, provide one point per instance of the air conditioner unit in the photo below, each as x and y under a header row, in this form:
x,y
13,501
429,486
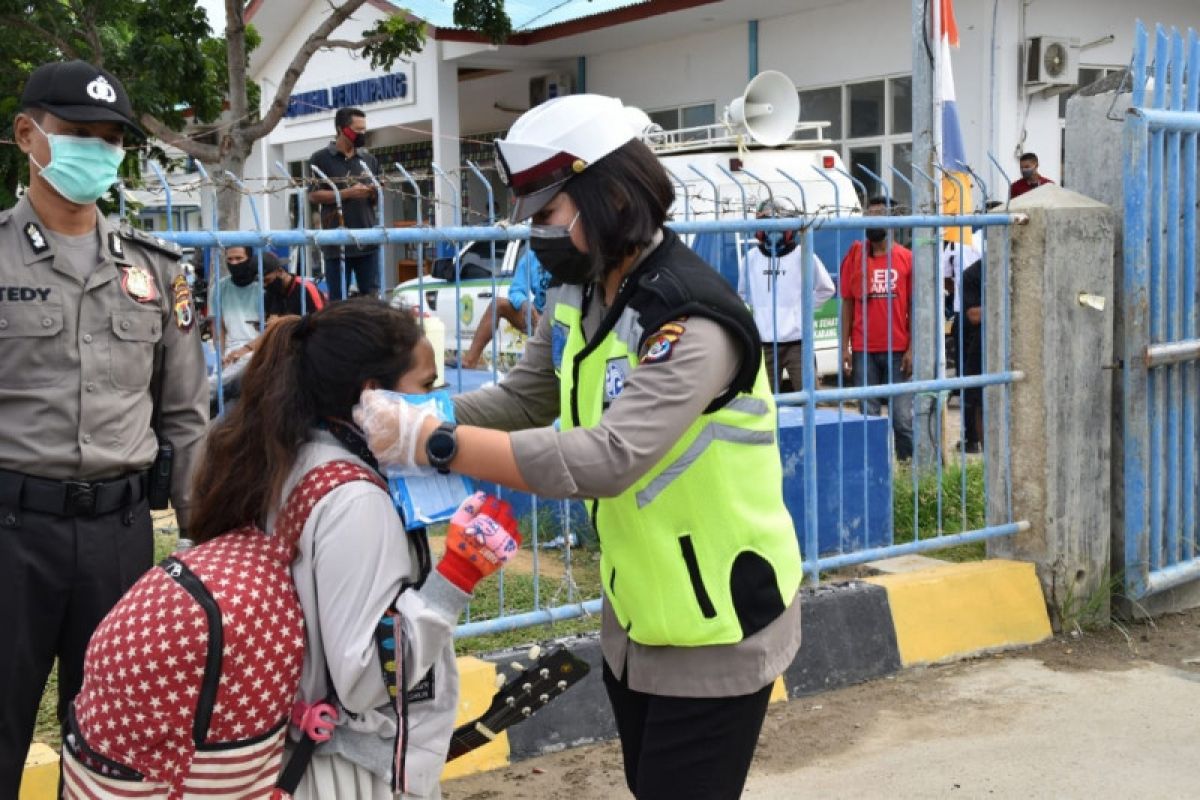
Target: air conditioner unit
x,y
1051,61
547,87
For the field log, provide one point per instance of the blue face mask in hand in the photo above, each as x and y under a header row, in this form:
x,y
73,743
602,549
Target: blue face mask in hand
x,y
81,168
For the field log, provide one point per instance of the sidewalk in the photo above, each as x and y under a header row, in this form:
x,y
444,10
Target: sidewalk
x,y
1097,716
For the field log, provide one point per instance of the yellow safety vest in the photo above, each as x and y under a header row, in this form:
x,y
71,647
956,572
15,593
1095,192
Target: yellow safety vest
x,y
669,543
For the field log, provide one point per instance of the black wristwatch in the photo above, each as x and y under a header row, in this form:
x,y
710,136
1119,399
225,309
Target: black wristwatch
x,y
441,447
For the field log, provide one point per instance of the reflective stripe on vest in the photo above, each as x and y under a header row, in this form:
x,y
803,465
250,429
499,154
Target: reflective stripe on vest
x,y
669,542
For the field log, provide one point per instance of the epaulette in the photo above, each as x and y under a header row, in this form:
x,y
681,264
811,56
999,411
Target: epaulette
x,y
146,239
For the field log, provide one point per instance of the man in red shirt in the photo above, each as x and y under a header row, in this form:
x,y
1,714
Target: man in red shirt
x,y
876,279
1030,178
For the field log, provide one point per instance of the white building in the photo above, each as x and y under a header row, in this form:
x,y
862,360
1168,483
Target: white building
x,y
683,61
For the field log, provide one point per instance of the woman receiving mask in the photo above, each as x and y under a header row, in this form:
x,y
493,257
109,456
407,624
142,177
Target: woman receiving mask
x,y
653,368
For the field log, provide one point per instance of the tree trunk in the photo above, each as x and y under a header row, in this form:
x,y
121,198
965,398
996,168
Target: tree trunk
x,y
229,195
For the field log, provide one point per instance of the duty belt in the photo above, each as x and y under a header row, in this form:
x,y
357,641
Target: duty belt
x,y
72,498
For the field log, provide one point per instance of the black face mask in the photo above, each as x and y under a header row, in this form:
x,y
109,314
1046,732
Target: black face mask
x,y
562,259
357,138
777,244
243,273
876,234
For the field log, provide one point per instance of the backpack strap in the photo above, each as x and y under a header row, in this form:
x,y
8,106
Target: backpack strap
x,y
316,483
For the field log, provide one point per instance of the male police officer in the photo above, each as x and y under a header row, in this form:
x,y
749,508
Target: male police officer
x,y
88,314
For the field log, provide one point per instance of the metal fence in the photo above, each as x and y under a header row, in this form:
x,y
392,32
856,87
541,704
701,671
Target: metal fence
x,y
880,507
1161,382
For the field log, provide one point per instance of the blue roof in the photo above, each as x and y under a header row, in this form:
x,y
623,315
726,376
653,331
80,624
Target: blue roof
x,y
526,15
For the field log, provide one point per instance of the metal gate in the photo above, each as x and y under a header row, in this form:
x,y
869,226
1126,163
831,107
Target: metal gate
x,y
1160,304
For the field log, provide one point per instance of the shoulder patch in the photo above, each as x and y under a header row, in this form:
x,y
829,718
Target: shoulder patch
x,y
132,234
181,302
37,239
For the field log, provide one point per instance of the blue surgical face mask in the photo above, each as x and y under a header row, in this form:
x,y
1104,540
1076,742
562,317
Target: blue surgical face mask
x,y
81,168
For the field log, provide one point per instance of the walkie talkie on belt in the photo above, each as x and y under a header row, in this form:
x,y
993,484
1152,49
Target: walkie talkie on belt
x,y
158,489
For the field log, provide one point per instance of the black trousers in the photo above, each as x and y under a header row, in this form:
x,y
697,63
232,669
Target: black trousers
x,y
59,576
364,270
697,748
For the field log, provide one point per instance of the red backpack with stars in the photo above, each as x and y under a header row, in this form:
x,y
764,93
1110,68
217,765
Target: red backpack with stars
x,y
189,682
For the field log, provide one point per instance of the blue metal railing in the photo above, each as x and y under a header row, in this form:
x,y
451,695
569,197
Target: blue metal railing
x,y
851,543
1161,382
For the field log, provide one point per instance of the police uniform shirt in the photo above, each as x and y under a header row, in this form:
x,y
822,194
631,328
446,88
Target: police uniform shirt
x,y
633,435
78,354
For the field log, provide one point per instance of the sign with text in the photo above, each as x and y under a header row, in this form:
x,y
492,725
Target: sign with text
x,y
396,87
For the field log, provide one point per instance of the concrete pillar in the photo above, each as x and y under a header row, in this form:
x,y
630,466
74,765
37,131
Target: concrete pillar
x,y
1060,289
446,132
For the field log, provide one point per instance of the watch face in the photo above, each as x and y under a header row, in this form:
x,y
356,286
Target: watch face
x,y
441,446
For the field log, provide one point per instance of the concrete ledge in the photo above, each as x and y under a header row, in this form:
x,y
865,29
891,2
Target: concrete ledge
x,y
851,632
40,779
957,610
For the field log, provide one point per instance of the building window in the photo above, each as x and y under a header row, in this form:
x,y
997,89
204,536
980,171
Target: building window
x,y
870,123
671,119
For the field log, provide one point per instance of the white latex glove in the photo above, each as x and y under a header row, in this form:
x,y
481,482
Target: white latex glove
x,y
392,426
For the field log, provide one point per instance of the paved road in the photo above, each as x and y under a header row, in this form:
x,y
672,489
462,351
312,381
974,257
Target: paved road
x,y
1037,725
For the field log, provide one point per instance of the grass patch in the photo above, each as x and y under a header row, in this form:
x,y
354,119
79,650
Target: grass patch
x,y
580,583
916,514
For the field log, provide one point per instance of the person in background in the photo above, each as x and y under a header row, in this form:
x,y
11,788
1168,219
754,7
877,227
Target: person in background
x,y
356,565
286,293
239,299
876,277
773,284
529,283
972,355
1030,177
350,166
652,366
99,333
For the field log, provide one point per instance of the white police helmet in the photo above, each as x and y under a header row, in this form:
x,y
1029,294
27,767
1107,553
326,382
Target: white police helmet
x,y
555,141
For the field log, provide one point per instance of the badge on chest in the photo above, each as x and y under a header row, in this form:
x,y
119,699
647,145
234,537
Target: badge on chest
x,y
138,284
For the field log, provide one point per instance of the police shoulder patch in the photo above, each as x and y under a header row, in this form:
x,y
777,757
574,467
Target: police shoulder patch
x,y
660,344
181,303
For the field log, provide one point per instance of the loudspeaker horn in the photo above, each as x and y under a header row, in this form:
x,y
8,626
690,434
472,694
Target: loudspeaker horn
x,y
769,108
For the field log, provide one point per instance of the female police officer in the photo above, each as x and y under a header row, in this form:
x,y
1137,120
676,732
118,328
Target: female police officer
x,y
653,367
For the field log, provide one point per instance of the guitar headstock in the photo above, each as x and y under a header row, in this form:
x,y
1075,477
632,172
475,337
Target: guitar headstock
x,y
550,674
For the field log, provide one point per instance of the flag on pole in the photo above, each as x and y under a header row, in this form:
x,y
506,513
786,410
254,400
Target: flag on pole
x,y
956,186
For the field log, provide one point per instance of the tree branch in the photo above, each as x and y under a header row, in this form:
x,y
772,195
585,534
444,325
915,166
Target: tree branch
x,y
63,45
316,40
198,150
330,44
86,14
235,58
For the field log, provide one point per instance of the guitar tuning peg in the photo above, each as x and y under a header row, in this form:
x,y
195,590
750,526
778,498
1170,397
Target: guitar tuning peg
x,y
526,711
545,698
534,652
510,701
518,666
499,680
544,673
562,686
526,687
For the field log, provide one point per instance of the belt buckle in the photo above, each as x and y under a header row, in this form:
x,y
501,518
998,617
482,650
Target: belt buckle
x,y
80,498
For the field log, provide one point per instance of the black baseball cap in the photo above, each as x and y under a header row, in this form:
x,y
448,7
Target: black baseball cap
x,y
80,92
271,262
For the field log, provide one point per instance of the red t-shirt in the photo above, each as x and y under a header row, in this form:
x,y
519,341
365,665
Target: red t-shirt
x,y
1020,186
888,285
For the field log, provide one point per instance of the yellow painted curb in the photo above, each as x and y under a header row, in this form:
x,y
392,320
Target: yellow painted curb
x,y
778,691
477,686
958,609
40,779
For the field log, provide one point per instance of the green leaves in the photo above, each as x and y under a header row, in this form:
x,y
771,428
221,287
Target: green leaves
x,y
392,39
486,16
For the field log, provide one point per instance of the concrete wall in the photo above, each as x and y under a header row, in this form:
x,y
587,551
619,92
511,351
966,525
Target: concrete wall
x,y
1061,289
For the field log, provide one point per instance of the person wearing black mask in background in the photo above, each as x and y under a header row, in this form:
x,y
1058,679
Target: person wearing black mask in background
x,y
238,300
347,163
876,277
286,293
772,282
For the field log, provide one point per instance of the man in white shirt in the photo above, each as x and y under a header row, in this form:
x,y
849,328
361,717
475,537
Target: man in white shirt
x,y
772,282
